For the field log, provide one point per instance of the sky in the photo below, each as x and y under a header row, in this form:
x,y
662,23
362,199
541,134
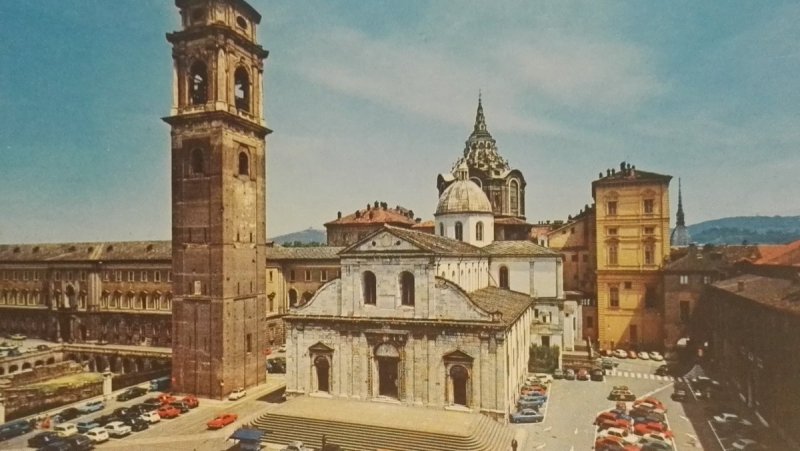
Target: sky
x,y
372,100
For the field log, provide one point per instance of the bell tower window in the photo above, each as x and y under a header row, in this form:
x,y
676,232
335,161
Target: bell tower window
x,y
241,89
197,162
244,164
459,231
198,83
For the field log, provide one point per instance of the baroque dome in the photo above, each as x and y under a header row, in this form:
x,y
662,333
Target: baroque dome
x,y
463,196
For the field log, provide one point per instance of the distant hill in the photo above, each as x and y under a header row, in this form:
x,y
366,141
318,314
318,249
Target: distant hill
x,y
306,237
753,229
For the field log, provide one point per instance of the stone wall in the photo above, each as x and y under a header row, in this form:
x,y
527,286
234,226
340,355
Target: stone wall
x,y
23,400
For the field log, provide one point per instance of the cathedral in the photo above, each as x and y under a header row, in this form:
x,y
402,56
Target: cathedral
x,y
441,320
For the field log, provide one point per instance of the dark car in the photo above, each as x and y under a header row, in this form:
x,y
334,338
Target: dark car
x,y
42,438
152,403
14,429
131,393
597,375
180,405
569,374
42,347
121,412
69,414
137,424
276,366
79,442
103,420
679,395
60,445
662,370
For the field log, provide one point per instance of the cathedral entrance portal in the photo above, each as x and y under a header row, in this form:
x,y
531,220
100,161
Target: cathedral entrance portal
x,y
323,369
459,376
387,375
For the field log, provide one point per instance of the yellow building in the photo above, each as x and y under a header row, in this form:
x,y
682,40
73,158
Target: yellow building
x,y
632,214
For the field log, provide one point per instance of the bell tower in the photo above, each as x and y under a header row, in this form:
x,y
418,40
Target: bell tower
x,y
218,198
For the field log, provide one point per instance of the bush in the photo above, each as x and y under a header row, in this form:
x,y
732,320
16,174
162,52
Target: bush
x,y
543,359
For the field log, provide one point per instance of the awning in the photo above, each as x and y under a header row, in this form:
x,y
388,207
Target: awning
x,y
247,435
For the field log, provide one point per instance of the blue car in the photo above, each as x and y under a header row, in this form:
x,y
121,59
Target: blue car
x,y
92,406
86,425
527,416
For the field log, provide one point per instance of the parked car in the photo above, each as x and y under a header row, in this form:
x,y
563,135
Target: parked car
x,y
239,393
168,412
621,395
92,406
131,393
643,355
103,420
98,435
60,445
569,374
654,437
632,354
679,395
582,374
640,416
65,429
527,416
607,364
136,423
612,444
222,420
14,429
657,446
18,337
166,398
530,403
121,412
42,347
151,417
649,403
621,434
152,403
69,414
655,355
191,401
85,426
662,370
597,375
42,438
118,429
652,427
79,442
620,353
607,353
558,374
542,378
615,423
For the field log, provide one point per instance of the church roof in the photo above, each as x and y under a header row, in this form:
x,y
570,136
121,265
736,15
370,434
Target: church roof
x,y
93,251
510,304
428,242
520,248
304,253
712,258
463,196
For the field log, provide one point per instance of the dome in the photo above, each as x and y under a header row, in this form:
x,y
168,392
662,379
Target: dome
x,y
463,196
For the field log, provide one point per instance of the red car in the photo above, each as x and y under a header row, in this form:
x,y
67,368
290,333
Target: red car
x,y
632,355
647,428
617,423
650,400
612,444
166,398
168,411
191,401
222,421
531,390
582,375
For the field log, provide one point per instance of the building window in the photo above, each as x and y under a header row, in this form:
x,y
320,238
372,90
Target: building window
x,y
513,196
613,258
143,276
69,276
128,300
649,230
169,276
83,276
407,288
685,313
612,231
198,165
25,275
648,206
106,276
650,297
36,275
156,276
504,277
574,257
323,275
104,299
248,343
270,275
589,321
706,280
131,276
628,285
241,89
118,276
479,231
56,275
198,84
291,275
140,301
613,297
244,163
459,231
649,254
684,279
292,297
441,229
308,275
369,288
611,208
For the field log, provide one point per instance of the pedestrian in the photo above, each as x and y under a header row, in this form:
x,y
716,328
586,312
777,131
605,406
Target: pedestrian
x,y
514,444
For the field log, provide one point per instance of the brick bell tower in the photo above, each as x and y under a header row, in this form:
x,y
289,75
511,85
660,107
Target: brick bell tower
x,y
218,199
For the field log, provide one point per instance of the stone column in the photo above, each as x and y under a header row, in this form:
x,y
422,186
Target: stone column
x,y
107,376
2,409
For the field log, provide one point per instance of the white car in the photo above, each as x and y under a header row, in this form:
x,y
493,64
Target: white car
x,y
97,435
65,429
644,356
621,434
654,437
655,355
151,417
282,348
620,353
118,429
239,393
542,378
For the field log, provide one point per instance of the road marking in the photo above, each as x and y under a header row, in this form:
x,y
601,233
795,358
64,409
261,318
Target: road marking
x,y
684,418
576,431
719,440
541,446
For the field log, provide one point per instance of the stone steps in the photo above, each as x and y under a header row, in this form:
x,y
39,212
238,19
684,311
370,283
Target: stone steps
x,y
487,435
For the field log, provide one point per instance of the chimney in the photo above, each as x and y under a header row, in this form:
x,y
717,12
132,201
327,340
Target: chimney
x,y
740,286
418,220
338,215
368,207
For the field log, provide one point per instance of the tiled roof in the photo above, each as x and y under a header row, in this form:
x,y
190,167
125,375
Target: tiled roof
x,y
712,259
304,253
781,254
376,215
511,221
97,251
432,243
626,173
777,293
520,248
424,225
510,304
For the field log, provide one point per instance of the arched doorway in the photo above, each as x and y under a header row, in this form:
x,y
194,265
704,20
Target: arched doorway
x,y
388,361
323,367
459,376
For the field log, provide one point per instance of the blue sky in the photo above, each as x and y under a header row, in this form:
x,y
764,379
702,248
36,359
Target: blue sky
x,y
371,100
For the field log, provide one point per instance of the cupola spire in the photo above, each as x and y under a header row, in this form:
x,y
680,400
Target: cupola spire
x,y
480,119
680,218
